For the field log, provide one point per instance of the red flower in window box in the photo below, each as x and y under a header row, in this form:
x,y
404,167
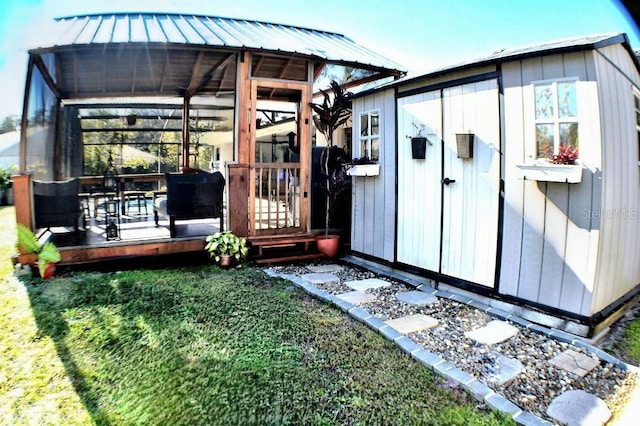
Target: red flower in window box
x,y
567,154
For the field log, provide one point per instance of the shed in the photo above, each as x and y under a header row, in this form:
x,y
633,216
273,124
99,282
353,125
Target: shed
x,y
494,216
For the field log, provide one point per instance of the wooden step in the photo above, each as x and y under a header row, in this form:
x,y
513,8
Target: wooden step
x,y
284,248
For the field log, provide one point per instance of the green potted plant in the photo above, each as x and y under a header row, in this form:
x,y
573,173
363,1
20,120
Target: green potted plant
x,y
5,186
332,113
225,246
47,254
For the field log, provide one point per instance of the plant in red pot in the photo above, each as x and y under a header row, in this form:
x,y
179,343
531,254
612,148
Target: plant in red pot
x,y
47,254
333,112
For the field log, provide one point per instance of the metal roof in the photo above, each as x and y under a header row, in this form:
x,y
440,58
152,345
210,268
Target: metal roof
x,y
200,30
566,45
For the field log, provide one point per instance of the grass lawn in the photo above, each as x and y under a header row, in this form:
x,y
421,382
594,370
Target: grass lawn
x,y
199,345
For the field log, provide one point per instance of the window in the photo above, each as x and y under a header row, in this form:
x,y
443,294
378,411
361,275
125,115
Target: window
x,y
636,99
556,117
369,136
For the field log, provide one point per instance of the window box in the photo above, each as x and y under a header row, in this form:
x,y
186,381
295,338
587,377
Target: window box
x,y
566,173
364,170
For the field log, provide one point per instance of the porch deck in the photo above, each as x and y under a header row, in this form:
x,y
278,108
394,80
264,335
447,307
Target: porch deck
x,y
139,236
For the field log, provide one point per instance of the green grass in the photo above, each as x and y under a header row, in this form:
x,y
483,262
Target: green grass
x,y
199,345
630,344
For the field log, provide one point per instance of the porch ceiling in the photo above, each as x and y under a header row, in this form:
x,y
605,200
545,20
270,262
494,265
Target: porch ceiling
x,y
145,54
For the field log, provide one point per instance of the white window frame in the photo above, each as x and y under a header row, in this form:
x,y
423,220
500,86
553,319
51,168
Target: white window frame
x,y
556,120
369,137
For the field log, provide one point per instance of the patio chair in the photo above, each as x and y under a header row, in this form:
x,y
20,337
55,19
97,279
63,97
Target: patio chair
x,y
56,204
191,196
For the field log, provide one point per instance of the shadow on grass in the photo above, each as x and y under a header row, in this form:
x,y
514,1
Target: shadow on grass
x,y
199,345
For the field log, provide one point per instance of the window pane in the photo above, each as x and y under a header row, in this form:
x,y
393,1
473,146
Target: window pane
x,y
364,149
637,100
544,101
544,141
375,149
569,134
375,124
364,125
567,99
637,119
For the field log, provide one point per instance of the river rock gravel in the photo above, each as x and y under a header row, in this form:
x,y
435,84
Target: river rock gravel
x,y
532,389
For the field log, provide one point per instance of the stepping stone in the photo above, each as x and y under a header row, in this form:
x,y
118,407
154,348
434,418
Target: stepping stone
x,y
575,362
494,332
324,269
412,323
577,407
356,297
363,285
320,278
416,298
500,369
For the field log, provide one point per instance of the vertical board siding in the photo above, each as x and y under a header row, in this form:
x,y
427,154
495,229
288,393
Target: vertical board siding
x,y
618,264
373,197
419,194
548,234
470,229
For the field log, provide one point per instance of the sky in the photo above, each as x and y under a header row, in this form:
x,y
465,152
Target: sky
x,y
418,34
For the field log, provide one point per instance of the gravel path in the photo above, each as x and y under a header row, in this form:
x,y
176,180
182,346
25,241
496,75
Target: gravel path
x,y
532,390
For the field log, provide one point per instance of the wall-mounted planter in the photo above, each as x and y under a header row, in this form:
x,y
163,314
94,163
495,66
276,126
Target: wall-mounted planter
x,y
565,173
464,143
364,170
418,148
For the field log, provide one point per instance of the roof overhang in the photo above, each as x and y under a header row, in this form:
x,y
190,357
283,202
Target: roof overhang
x,y
144,54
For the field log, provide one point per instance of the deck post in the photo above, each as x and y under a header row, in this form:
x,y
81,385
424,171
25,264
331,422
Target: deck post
x,y
238,199
23,198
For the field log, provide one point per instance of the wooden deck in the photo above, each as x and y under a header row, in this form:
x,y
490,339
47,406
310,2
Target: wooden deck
x,y
139,237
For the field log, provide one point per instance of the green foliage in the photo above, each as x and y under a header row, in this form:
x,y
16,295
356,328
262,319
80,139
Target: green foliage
x,y
226,244
48,254
27,240
631,342
5,177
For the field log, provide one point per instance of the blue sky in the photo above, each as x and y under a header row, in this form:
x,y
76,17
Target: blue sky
x,y
419,34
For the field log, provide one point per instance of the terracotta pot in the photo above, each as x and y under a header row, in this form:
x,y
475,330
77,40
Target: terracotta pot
x,y
225,261
328,245
50,271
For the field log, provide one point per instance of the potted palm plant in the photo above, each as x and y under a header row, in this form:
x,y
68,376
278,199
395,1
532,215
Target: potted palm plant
x,y
333,112
224,247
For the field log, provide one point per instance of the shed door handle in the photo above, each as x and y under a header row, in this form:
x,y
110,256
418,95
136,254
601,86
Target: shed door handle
x,y
447,181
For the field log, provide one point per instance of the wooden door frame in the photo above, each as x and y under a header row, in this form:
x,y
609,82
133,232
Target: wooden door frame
x,y
304,138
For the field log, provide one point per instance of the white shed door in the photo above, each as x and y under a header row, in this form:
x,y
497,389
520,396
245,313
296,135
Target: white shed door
x,y
448,206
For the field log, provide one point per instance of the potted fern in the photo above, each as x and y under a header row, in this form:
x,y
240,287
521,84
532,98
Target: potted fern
x,y
224,247
46,255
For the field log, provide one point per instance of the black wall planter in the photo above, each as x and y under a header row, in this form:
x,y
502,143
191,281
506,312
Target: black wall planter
x,y
418,148
464,142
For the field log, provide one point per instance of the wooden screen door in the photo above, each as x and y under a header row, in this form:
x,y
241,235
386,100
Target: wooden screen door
x,y
279,161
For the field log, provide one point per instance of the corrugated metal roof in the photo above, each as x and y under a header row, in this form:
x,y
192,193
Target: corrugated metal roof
x,y
151,28
588,42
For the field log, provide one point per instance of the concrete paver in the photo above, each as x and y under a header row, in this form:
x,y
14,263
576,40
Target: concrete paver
x,y
357,297
367,284
416,298
412,323
320,278
495,331
575,362
577,407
